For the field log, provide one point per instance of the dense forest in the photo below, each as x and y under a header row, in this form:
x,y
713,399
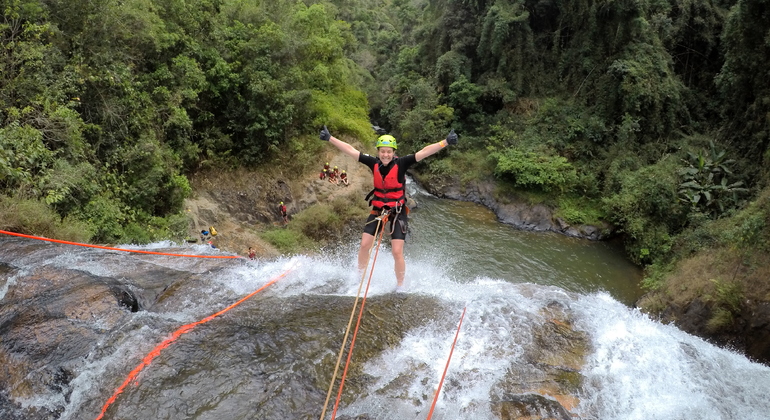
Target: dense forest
x,y
649,114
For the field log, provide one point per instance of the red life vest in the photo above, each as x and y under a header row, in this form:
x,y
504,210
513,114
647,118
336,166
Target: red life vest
x,y
388,192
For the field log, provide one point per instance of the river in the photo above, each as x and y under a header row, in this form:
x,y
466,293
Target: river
x,y
272,357
473,244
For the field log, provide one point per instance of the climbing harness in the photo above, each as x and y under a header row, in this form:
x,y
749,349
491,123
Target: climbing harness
x,y
396,220
381,220
394,213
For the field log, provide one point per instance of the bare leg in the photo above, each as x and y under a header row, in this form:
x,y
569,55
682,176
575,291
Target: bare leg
x,y
397,246
363,252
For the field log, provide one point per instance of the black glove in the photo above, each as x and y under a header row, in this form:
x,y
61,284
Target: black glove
x,y
325,135
451,138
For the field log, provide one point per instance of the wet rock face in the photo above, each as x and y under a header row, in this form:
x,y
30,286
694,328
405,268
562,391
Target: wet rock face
x,y
749,332
758,332
530,407
53,318
546,385
50,304
49,320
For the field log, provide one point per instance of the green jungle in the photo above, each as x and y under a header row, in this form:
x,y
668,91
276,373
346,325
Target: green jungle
x,y
651,115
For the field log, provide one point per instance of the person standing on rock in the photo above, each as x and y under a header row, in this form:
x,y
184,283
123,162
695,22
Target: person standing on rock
x,y
284,214
389,194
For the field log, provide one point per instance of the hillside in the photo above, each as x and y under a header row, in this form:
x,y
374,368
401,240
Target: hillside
x,y
241,204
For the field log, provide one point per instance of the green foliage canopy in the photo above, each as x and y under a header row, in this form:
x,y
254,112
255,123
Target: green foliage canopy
x,y
538,171
106,105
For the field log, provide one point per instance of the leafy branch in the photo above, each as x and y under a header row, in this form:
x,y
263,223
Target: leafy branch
x,y
708,184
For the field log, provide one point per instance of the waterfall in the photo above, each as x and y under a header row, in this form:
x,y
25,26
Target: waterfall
x,y
272,357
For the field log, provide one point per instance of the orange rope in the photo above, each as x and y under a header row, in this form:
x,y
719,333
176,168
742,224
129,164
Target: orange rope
x,y
174,336
441,383
347,329
116,249
358,322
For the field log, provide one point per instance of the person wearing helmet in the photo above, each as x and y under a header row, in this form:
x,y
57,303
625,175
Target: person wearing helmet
x,y
344,177
389,194
322,176
284,214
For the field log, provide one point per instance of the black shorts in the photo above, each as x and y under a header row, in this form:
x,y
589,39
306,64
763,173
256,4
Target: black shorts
x,y
401,222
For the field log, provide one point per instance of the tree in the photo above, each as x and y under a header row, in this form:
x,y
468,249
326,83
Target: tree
x,y
743,80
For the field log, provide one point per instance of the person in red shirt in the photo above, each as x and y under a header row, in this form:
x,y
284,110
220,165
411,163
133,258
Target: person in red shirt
x,y
284,214
389,194
323,175
344,177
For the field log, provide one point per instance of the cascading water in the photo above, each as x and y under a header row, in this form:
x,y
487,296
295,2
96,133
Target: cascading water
x,y
527,334
641,369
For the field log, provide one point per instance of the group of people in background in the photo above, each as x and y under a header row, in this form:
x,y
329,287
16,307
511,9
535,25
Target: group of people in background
x,y
334,175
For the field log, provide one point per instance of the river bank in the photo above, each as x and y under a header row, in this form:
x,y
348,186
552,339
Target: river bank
x,y
243,204
513,211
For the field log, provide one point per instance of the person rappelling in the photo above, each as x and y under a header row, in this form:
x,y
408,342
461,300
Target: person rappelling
x,y
389,194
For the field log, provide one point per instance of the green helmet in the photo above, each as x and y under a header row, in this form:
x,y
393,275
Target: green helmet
x,y
387,141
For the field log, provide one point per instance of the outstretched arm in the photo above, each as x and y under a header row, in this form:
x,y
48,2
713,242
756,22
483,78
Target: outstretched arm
x,y
344,147
436,147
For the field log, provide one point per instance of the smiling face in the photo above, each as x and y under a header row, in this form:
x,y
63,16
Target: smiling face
x,y
386,154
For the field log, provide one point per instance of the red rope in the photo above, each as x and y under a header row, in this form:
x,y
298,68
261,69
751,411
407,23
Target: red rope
x,y
358,322
441,383
116,249
174,336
